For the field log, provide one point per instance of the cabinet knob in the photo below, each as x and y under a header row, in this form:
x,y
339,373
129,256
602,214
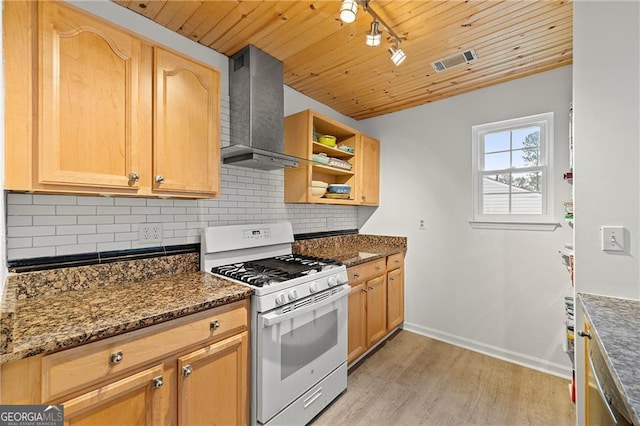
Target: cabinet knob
x,y
370,288
158,382
187,370
584,334
356,275
134,177
377,268
214,325
364,197
159,179
364,290
116,357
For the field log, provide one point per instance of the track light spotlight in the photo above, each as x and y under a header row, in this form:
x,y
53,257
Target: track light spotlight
x,y
397,55
374,36
348,11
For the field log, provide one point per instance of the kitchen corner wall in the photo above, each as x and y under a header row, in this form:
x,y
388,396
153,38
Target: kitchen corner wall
x,y
498,292
50,225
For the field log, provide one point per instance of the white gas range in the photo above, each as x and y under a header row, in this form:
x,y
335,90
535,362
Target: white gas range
x,y
298,319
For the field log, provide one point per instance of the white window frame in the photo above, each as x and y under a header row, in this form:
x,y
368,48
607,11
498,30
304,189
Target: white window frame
x,y
543,221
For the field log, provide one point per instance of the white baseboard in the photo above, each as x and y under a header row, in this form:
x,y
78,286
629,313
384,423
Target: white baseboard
x,y
493,351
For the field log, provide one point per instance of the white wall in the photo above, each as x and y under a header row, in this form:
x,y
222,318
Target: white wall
x,y
607,137
499,292
606,87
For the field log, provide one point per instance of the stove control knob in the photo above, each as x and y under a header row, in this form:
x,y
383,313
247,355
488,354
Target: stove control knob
x,y
332,281
280,299
313,287
293,294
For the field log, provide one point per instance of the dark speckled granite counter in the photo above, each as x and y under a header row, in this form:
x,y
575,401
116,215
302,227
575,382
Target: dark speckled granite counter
x,y
352,249
50,310
616,323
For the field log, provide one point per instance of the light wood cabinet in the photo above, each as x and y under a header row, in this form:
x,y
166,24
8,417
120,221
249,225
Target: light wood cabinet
x,y
134,400
95,109
395,290
363,176
368,150
376,303
213,384
185,140
141,377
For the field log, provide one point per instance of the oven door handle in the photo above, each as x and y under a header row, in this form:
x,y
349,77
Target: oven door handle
x,y
276,318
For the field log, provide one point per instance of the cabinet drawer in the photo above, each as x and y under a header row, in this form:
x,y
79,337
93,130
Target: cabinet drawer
x,y
395,261
366,270
69,370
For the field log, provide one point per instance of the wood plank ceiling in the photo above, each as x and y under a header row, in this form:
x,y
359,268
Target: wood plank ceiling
x,y
329,61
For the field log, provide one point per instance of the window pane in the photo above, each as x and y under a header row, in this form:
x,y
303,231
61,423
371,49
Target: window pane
x,y
497,161
495,204
526,157
526,203
496,142
495,194
527,182
492,184
526,138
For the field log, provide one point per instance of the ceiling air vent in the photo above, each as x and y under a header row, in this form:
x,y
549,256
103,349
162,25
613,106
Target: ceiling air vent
x,y
454,60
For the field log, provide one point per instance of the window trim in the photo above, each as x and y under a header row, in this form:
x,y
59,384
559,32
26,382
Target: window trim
x,y
544,221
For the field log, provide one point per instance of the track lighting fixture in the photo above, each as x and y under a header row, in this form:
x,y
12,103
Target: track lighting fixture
x,y
374,36
348,11
397,55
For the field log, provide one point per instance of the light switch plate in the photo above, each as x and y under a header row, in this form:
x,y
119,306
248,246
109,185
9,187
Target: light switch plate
x,y
612,238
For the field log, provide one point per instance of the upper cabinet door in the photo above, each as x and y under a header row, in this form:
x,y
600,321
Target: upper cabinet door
x,y
186,125
87,103
369,170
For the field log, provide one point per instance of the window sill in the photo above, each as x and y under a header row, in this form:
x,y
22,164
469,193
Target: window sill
x,y
517,226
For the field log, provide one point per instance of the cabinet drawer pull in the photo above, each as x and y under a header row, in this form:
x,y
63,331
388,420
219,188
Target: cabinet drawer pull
x,y
377,268
397,262
116,357
187,370
159,179
214,325
157,382
356,275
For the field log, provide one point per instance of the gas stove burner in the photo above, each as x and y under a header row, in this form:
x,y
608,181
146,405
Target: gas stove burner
x,y
264,272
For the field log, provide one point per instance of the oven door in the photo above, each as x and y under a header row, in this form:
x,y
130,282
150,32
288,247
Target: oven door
x,y
297,346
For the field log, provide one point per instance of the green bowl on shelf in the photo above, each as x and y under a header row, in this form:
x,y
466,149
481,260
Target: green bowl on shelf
x,y
328,140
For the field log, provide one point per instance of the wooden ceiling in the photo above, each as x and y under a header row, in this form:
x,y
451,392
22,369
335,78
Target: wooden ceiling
x,y
329,61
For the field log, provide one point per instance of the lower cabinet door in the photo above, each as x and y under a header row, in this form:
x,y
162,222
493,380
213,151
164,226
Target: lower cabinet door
x,y
357,314
213,384
376,309
134,400
395,298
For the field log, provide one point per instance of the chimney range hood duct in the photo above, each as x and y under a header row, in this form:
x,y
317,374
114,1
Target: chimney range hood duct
x,y
257,112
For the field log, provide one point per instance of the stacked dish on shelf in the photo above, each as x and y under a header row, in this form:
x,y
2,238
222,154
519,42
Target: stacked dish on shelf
x,y
338,191
318,188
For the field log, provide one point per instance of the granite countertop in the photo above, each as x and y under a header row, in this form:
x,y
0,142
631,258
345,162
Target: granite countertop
x,y
616,323
53,320
352,249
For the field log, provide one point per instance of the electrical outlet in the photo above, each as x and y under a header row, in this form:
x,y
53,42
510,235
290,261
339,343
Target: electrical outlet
x,y
421,225
150,233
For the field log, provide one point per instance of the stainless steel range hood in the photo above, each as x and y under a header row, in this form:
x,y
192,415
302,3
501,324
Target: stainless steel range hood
x,y
257,112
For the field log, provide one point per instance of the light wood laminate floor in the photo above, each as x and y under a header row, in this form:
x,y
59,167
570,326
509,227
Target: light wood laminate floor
x,y
415,380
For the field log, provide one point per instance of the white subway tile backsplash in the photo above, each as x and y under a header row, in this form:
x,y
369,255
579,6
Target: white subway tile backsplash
x,y
58,240
96,201
75,229
94,220
30,231
54,220
75,249
95,238
48,225
74,210
16,198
